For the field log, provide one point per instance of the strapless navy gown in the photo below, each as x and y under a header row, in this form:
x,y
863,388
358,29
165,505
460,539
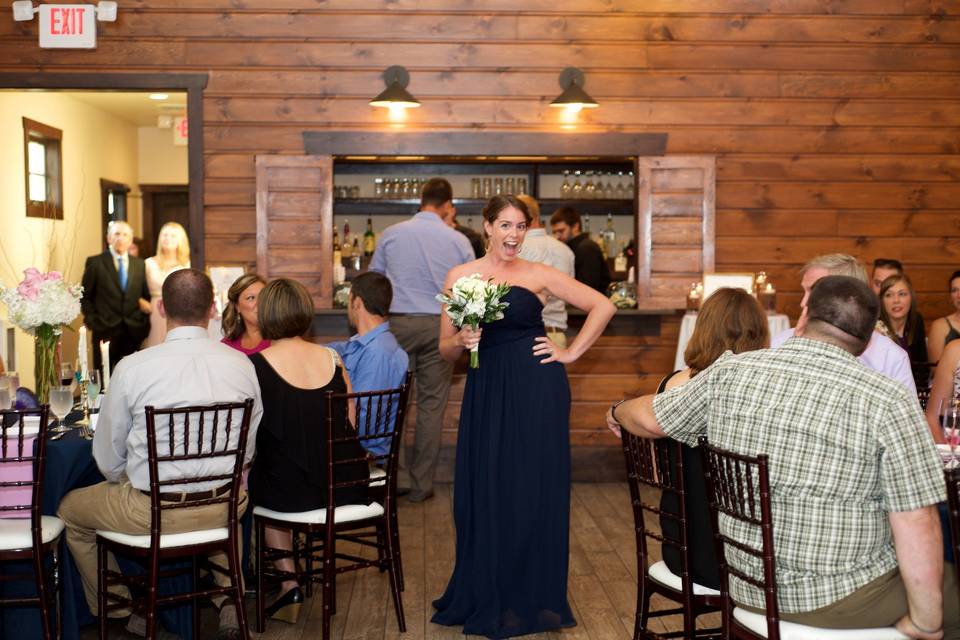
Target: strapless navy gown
x,y
511,502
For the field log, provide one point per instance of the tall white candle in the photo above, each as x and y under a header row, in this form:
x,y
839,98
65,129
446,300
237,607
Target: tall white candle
x,y
105,358
82,353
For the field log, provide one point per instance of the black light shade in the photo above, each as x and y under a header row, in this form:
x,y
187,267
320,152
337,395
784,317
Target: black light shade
x,y
395,95
573,96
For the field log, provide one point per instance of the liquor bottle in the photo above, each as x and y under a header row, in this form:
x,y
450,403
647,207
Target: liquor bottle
x,y
609,236
565,185
369,239
576,191
347,247
336,239
620,262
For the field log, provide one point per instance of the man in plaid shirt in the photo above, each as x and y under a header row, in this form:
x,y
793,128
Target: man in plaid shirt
x,y
855,476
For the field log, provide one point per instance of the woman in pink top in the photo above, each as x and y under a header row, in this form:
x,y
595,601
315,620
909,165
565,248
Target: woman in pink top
x,y
240,328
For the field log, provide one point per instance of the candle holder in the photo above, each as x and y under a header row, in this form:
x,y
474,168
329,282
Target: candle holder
x,y
84,405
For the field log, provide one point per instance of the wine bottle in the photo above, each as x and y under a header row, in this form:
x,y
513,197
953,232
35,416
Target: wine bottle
x,y
369,239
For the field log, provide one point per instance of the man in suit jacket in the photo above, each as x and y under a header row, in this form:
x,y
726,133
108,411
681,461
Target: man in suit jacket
x,y
116,301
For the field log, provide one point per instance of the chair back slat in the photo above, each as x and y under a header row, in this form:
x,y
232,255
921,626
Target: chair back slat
x,y
738,487
222,460
380,416
22,465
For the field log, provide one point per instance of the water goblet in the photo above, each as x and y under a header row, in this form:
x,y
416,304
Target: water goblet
x,y
93,387
61,401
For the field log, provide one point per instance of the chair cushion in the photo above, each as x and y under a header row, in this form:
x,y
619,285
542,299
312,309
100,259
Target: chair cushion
x,y
167,540
15,532
662,574
345,513
757,623
377,472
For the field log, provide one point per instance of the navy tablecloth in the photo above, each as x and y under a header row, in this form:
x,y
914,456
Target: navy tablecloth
x,y
70,466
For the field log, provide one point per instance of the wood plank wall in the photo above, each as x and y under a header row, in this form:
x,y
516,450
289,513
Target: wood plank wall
x,y
836,123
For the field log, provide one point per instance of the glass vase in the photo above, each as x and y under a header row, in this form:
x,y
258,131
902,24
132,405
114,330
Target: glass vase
x,y
45,361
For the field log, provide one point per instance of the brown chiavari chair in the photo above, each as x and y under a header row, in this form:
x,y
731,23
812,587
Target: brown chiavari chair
x,y
953,508
371,525
33,538
738,487
659,465
221,434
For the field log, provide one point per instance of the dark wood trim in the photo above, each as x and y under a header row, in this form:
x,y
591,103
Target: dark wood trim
x,y
485,142
105,186
193,83
53,170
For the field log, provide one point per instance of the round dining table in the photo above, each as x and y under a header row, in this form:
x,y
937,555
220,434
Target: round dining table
x,y
70,465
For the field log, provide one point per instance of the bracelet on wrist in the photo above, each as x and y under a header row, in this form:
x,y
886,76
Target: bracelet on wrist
x,y
613,412
922,630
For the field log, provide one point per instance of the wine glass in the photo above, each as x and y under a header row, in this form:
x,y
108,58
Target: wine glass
x,y
93,386
950,423
61,401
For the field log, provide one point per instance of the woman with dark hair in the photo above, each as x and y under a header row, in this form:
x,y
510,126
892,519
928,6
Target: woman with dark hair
x,y
900,319
945,330
290,473
729,320
511,501
240,328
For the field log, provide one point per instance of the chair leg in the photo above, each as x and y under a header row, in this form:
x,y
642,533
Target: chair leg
x,y
393,567
308,563
381,548
40,578
236,577
102,590
643,609
329,575
396,545
58,599
261,604
153,585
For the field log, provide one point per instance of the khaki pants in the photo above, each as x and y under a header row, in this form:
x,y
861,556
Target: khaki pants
x,y
558,337
419,336
879,603
122,508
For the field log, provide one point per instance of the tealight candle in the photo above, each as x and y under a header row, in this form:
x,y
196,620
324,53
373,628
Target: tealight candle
x,y
105,358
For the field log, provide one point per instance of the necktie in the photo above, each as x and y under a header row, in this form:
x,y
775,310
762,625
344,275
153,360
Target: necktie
x,y
122,272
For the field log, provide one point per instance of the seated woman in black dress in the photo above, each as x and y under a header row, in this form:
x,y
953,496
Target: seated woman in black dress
x,y
729,320
289,471
902,323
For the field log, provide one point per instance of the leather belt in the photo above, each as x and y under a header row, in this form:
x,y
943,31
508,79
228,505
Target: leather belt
x,y
550,329
191,497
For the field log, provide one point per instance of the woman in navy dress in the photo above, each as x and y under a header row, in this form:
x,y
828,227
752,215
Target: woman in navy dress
x,y
511,499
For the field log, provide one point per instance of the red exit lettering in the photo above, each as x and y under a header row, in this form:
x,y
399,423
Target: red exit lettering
x,y
66,21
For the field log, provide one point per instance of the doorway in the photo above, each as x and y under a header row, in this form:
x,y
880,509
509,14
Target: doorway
x,y
163,204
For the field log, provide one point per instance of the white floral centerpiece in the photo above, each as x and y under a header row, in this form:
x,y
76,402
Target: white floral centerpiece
x,y
472,301
42,305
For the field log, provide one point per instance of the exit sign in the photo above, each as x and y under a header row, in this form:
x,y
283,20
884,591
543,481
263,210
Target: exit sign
x,y
68,26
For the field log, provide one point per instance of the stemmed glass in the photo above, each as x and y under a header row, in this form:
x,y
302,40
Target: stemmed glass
x,y
61,401
93,387
950,423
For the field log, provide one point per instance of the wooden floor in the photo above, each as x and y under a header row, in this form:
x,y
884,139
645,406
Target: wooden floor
x,y
602,584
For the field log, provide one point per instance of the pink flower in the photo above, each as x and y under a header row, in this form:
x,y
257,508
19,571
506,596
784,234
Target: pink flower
x,y
32,275
53,275
29,290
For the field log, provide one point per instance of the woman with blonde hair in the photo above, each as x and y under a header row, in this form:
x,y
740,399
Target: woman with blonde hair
x,y
173,254
241,327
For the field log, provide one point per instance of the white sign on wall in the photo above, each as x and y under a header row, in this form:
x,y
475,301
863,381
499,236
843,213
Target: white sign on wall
x,y
68,26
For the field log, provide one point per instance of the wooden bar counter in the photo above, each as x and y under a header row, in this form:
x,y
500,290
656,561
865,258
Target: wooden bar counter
x,y
629,359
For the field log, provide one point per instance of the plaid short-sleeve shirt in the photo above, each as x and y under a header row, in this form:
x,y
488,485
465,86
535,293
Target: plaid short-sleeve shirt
x,y
847,446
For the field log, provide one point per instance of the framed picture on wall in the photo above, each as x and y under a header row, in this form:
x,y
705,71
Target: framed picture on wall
x,y
223,276
714,281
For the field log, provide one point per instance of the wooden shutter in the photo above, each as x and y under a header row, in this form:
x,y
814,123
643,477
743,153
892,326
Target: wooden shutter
x,y
295,222
675,226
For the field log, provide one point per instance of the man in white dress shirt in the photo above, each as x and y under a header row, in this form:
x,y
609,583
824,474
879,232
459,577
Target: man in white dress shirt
x,y
187,369
540,246
882,353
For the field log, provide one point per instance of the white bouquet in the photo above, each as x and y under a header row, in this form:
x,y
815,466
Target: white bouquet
x,y
42,299
472,301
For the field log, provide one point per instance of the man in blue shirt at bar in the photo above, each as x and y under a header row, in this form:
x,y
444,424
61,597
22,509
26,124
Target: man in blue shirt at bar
x,y
372,356
416,255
